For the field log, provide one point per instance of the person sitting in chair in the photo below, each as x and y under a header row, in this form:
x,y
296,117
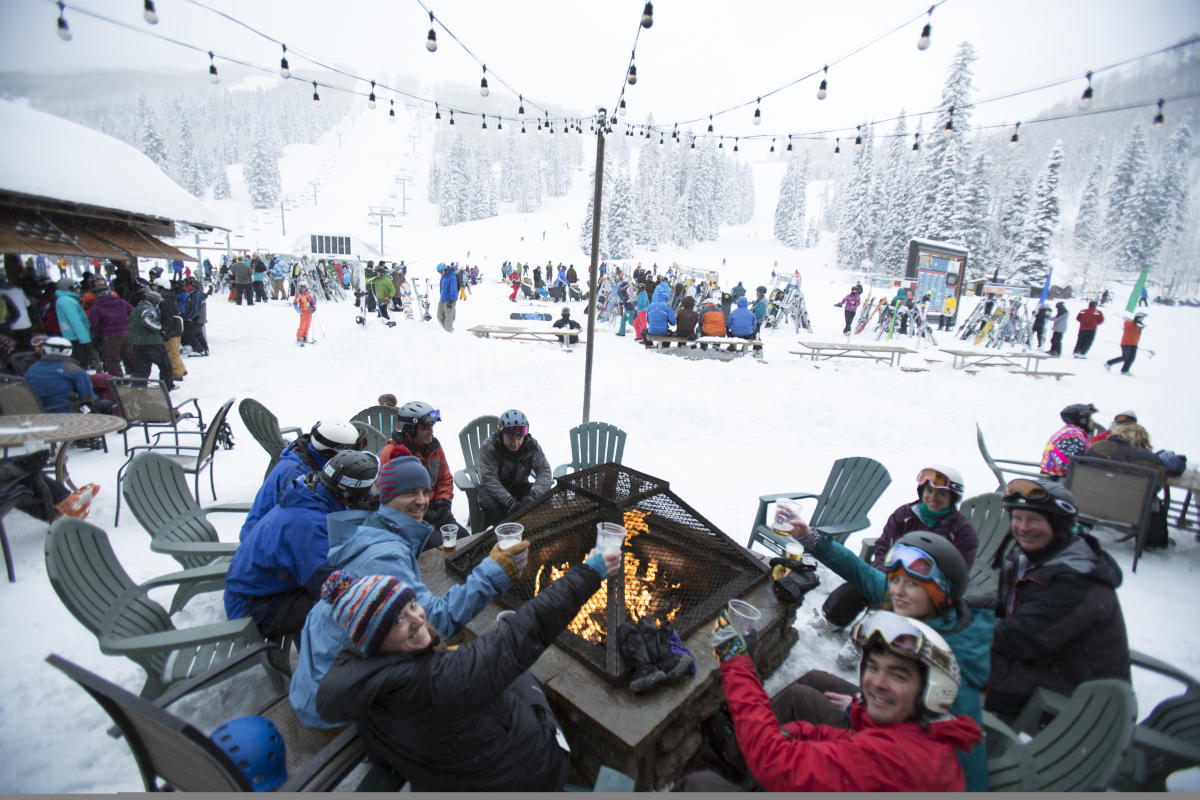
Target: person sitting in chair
x,y
62,385
507,459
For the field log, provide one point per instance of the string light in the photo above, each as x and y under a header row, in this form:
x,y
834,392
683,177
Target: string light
x,y
64,32
950,120
758,112
916,141
721,144
735,143
316,97
858,138
522,127
789,148
371,96
499,124
213,77
660,138
437,112
452,116
710,130
923,42
837,147
772,144
1158,118
283,65
431,40
149,14
1015,137
521,108
392,110
648,16
631,78
823,89
1086,99
485,122
483,87
621,107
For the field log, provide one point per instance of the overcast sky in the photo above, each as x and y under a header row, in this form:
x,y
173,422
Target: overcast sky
x,y
701,56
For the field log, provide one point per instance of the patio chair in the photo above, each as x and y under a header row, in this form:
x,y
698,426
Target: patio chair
x,y
853,486
156,490
1114,494
145,402
466,480
92,584
384,419
18,397
10,496
593,443
193,460
994,464
988,518
373,439
264,427
1078,751
1168,739
172,754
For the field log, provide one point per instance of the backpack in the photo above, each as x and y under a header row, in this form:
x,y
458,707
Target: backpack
x,y
1173,463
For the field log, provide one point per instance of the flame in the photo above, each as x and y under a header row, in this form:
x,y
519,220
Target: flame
x,y
644,592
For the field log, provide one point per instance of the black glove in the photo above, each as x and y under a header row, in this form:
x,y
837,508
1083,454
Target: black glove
x,y
636,655
792,579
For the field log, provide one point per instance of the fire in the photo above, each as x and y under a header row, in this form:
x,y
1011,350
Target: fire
x,y
645,593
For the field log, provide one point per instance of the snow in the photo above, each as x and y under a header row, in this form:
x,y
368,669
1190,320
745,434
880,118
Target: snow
x,y
721,433
46,156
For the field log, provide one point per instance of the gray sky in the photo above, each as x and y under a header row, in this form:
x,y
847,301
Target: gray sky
x,y
700,56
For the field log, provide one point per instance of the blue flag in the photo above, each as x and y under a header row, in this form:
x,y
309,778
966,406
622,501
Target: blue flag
x,y
1046,288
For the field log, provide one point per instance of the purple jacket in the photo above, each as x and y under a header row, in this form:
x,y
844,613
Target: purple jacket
x,y
954,527
109,315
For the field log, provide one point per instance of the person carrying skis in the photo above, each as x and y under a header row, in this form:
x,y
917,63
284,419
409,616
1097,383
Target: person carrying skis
x,y
850,303
1130,336
384,291
306,306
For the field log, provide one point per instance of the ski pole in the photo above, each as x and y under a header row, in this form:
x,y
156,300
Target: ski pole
x,y
319,325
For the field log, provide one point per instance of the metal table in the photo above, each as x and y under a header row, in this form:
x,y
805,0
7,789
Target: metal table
x,y
57,430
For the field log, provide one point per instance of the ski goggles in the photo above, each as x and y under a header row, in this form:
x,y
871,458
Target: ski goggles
x,y
903,638
937,480
917,564
430,418
1023,491
516,430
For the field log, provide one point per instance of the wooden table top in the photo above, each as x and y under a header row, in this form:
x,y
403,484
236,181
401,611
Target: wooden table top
x,y
21,428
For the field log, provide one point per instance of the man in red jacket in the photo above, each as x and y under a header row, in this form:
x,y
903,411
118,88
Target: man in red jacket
x,y
1089,319
901,737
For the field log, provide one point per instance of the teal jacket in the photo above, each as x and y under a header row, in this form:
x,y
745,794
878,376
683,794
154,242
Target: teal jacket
x,y
967,631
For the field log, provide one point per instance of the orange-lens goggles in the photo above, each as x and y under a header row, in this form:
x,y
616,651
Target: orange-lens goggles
x,y
1026,488
934,478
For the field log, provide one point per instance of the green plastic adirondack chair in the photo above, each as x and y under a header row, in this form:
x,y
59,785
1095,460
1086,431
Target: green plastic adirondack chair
x,y
466,480
264,427
988,518
374,438
994,464
593,443
84,571
156,491
384,419
173,754
853,486
1078,751
1168,739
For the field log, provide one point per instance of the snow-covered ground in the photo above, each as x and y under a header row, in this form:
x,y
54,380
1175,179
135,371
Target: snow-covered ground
x,y
721,433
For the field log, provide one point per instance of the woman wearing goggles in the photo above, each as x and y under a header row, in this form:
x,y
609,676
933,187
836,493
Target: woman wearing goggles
x,y
1058,617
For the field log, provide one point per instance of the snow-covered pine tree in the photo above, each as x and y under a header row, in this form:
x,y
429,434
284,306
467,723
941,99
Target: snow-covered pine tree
x,y
190,175
813,237
953,110
620,232
785,208
743,183
1010,223
1033,262
893,203
510,169
1122,221
949,179
1174,177
454,197
221,190
645,195
796,234
972,217
152,142
262,171
1087,222
856,229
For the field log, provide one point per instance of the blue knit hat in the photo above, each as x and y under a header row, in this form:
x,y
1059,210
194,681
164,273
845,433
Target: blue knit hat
x,y
400,475
367,607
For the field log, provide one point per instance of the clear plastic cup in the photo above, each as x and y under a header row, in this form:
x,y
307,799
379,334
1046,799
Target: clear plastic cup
x,y
449,537
743,615
785,510
509,534
793,550
610,537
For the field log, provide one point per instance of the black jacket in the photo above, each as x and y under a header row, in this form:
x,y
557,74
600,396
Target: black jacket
x,y
504,475
450,720
1058,624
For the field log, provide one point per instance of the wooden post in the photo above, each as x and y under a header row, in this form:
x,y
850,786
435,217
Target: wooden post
x,y
591,325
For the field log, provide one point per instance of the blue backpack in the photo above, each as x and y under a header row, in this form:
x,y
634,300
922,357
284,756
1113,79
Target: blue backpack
x,y
1173,463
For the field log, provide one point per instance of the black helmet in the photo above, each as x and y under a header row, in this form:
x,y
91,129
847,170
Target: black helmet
x,y
1079,414
350,474
1049,498
947,557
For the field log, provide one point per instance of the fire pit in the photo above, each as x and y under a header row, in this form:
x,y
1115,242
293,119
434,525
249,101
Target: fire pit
x,y
677,565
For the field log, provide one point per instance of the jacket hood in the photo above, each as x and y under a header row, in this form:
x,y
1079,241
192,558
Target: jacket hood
x,y
961,733
360,679
968,631
1083,555
741,301
352,531
318,498
689,301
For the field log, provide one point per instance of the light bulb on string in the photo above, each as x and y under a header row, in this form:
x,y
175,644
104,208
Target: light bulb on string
x,y
283,65
837,147
485,122
1158,118
735,143
675,133
631,78
916,141
392,110
710,130
148,12
521,108
499,124
213,77
648,15
772,144
437,112
823,89
858,138
789,147
483,87
660,138
452,116
1015,137
721,144
693,142
1085,99
316,97
371,96
522,127
950,120
758,112
621,107
431,40
64,31
923,42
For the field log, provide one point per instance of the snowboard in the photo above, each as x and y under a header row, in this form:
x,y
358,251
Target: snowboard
x,y
406,300
532,315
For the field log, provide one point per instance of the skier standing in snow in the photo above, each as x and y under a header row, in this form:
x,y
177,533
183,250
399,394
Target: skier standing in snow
x,y
305,305
850,303
384,290
1089,319
1039,324
1059,328
448,287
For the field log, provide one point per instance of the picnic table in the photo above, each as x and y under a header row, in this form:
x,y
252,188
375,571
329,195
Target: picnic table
x,y
526,334
57,430
891,353
1189,480
974,358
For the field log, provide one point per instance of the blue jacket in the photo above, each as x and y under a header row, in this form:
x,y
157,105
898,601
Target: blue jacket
x,y
967,631
285,551
449,286
759,308
643,300
71,319
385,542
659,314
54,378
289,467
741,320
181,298
278,271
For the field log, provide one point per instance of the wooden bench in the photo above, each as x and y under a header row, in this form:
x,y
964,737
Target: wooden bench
x,y
890,353
974,358
1035,374
526,334
654,341
732,344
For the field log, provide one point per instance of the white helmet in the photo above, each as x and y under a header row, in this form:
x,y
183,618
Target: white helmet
x,y
913,639
329,437
940,476
57,345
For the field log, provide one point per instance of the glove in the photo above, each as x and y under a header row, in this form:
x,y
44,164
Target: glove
x,y
513,560
727,642
596,562
792,579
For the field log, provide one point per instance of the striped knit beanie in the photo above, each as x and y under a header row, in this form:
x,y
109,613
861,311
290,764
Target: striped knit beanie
x,y
367,607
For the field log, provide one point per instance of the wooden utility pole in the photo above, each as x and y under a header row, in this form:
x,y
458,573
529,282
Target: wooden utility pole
x,y
602,118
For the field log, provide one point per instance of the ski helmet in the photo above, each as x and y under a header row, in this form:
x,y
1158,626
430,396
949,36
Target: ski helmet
x,y
513,418
1079,415
57,346
940,476
67,284
912,639
350,474
1049,498
945,556
415,412
303,287
256,746
328,438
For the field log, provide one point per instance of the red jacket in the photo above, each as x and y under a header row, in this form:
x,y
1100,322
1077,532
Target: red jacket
x,y
1089,319
432,456
1131,334
800,757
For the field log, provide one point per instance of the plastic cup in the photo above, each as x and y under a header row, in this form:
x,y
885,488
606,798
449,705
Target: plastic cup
x,y
449,537
743,615
509,534
610,537
793,550
785,510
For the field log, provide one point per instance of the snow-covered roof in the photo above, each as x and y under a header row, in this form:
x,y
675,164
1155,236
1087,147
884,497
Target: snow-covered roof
x,y
49,157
